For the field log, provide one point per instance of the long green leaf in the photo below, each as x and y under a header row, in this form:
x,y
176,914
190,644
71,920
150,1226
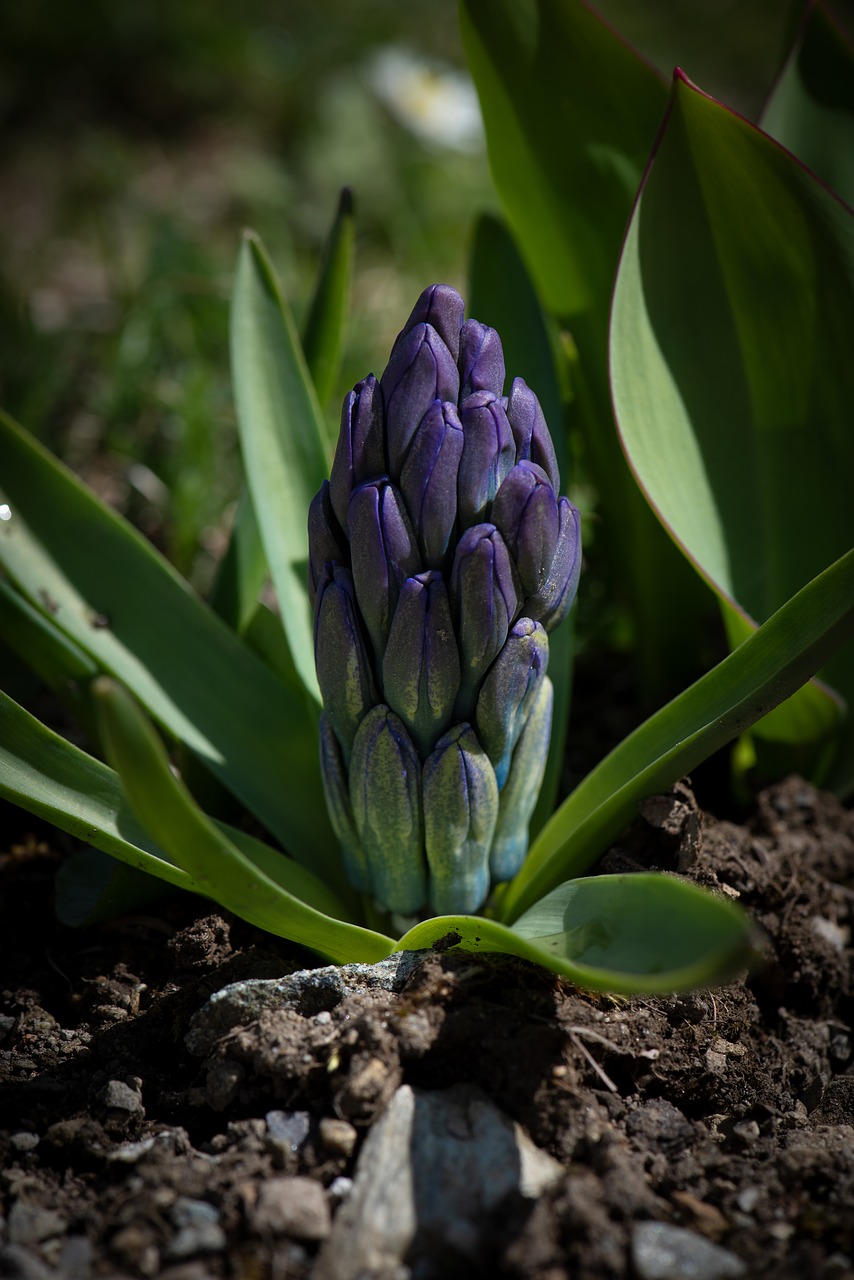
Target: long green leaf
x,y
783,653
218,867
731,360
282,439
811,109
50,777
571,113
323,330
633,934
107,589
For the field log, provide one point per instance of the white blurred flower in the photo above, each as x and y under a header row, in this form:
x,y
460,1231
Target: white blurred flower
x,y
433,100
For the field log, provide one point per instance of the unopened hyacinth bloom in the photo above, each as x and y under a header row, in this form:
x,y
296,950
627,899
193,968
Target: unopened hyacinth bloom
x,y
440,558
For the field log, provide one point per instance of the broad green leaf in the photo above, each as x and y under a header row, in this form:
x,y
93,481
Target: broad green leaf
x,y
783,653
811,108
323,330
282,439
633,934
110,592
56,659
242,571
731,360
571,113
217,866
501,294
50,777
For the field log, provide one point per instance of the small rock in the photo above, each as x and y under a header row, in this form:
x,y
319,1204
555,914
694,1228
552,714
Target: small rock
x,y
30,1224
338,1136
748,1198
747,1131
662,1252
198,1229
24,1141
339,1189
289,1127
17,1263
118,1096
830,932
295,1207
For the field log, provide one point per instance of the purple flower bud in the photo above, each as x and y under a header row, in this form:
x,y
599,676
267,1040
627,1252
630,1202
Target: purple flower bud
x,y
384,553
443,308
484,604
360,453
421,664
326,540
508,692
420,370
526,511
554,600
429,480
522,786
460,812
481,359
343,667
488,455
533,440
337,794
385,794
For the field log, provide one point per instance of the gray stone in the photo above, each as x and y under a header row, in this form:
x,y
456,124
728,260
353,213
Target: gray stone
x,y
17,1263
198,1229
24,1141
289,1127
30,1223
294,1207
118,1096
662,1252
431,1170
308,991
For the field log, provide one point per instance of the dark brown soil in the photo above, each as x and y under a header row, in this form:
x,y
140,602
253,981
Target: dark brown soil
x,y
727,1113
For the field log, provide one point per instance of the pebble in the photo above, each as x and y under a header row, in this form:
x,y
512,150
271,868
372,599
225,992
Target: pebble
x,y
17,1263
662,1252
295,1207
118,1096
198,1229
431,1171
339,1189
338,1136
30,1223
24,1141
289,1127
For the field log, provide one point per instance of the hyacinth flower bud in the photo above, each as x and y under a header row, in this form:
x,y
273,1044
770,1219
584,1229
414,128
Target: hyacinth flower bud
x,y
360,452
526,511
442,307
488,455
336,791
428,481
484,603
460,813
344,670
533,440
522,786
554,600
384,553
481,359
385,795
421,664
508,692
440,554
421,369
326,540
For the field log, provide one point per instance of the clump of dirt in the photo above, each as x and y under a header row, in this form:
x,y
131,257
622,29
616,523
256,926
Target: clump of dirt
x,y
726,1115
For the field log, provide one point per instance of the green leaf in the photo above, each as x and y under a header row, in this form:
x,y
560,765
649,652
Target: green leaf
x,y
48,776
633,934
764,670
218,867
242,571
571,113
811,109
282,439
731,361
323,331
108,590
56,660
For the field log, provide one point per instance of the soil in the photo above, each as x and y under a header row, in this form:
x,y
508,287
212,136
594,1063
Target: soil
x,y
727,1113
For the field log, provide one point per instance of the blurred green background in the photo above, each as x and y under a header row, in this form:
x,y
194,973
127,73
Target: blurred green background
x,y
137,139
